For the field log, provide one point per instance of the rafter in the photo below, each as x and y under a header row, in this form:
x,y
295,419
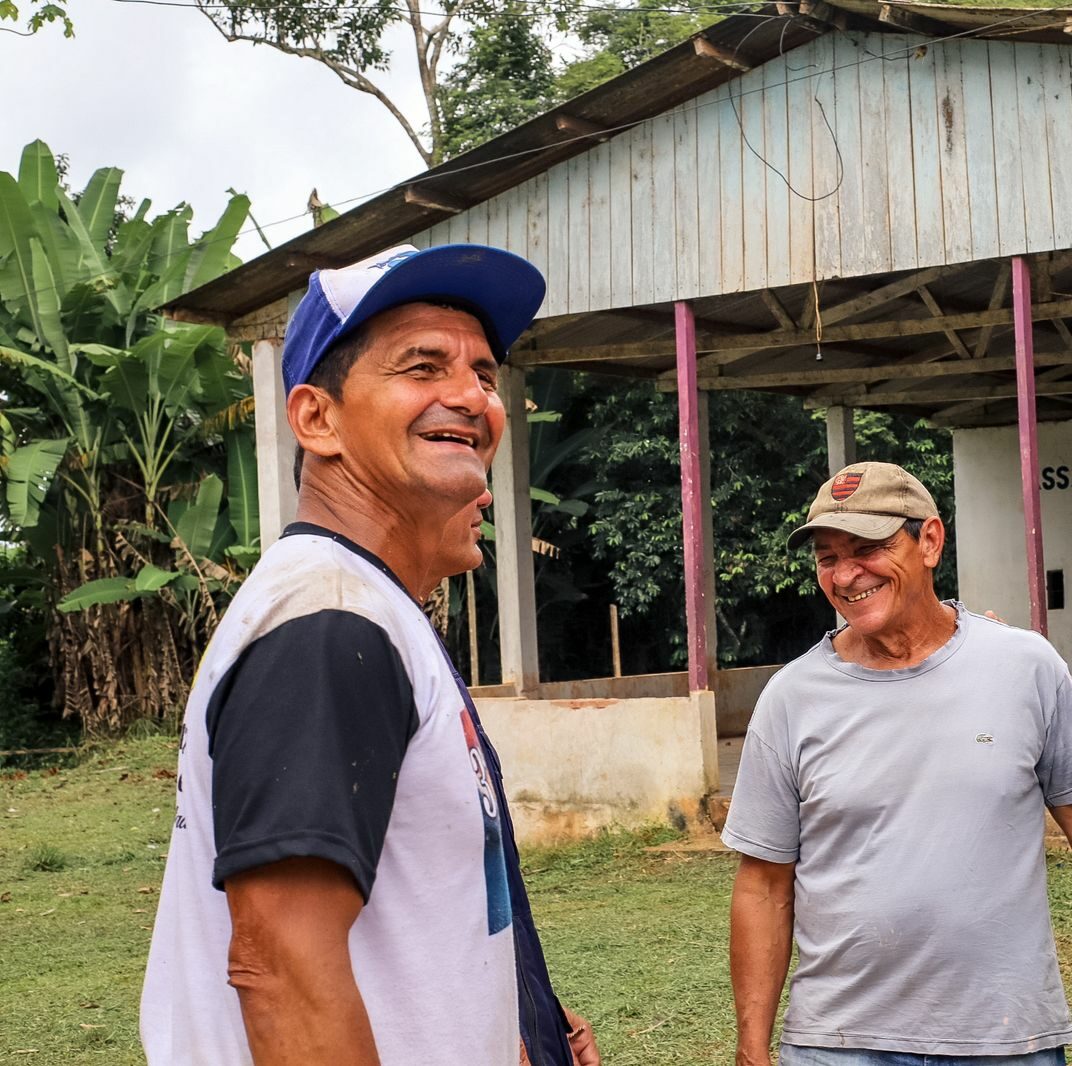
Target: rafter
x,y
777,309
981,393
951,416
997,298
863,375
932,305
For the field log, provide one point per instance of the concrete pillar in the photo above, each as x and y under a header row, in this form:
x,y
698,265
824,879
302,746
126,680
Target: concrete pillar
x,y
515,577
840,438
707,533
278,499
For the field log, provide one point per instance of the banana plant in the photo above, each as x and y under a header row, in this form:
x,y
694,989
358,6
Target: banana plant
x,y
126,450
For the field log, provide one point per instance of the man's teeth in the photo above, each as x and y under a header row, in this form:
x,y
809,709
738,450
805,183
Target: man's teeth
x,y
450,437
862,595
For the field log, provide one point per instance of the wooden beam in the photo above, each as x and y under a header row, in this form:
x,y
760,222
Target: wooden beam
x,y
864,375
954,414
1028,434
997,298
922,397
777,309
721,347
858,305
706,50
898,327
576,126
823,13
1063,332
197,316
895,15
434,201
932,305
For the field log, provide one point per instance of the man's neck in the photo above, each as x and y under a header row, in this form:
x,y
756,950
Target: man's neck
x,y
905,646
408,547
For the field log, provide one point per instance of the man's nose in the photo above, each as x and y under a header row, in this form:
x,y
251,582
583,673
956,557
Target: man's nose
x,y
845,571
463,390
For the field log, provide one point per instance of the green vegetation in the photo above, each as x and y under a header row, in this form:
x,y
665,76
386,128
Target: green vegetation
x,y
126,453
635,939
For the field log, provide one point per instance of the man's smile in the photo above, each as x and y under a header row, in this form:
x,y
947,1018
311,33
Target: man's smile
x,y
451,436
863,595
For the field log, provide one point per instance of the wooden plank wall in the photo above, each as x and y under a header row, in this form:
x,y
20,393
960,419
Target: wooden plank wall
x,y
934,153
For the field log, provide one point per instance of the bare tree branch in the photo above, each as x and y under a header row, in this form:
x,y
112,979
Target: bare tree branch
x,y
350,77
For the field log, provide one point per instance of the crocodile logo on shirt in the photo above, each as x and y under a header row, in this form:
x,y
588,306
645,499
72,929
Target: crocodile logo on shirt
x,y
984,738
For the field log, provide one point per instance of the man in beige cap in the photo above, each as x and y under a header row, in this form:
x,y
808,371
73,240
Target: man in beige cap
x,y
889,813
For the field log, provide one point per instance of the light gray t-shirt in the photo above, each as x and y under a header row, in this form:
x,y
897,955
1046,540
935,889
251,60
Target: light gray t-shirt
x,y
912,802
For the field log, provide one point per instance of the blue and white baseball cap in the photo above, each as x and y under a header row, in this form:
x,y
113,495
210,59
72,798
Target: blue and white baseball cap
x,y
501,289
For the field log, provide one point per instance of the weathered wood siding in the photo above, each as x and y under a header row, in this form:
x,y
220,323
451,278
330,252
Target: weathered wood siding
x,y
939,153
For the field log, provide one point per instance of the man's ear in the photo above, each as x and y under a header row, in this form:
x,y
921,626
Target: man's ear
x,y
312,416
932,541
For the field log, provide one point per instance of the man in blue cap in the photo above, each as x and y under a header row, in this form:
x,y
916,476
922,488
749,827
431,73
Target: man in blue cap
x,y
335,782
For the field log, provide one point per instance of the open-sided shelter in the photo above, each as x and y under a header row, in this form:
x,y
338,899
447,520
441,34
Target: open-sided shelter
x,y
861,203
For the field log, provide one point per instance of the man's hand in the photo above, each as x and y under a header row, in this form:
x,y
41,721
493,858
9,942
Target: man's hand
x,y
290,962
761,942
582,1040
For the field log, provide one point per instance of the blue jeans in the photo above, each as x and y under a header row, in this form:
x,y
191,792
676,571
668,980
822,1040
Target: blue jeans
x,y
793,1055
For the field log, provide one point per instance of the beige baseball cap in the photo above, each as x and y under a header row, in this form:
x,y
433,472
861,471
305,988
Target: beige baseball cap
x,y
870,500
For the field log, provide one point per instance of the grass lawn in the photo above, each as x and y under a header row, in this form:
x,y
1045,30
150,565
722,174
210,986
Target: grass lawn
x,y
635,940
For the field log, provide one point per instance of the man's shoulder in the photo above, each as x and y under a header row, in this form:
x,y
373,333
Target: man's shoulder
x,y
801,668
1025,643
302,578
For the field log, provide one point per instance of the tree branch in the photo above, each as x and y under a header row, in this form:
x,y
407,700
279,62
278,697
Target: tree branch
x,y
350,77
428,82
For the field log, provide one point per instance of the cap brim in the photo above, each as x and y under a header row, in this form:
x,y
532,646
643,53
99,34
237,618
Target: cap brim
x,y
869,526
503,290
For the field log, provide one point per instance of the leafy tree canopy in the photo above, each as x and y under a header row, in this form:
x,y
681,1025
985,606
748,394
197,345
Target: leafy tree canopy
x,y
40,16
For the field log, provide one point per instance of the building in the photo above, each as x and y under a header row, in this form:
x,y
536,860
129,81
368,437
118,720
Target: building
x,y
861,203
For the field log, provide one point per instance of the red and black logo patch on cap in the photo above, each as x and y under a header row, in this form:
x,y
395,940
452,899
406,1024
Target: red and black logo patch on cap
x,y
845,485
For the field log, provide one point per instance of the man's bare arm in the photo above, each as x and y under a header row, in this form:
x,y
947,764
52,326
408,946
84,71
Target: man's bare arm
x,y
761,944
290,962
1063,817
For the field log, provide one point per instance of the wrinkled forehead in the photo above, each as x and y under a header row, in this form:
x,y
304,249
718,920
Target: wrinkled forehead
x,y
426,315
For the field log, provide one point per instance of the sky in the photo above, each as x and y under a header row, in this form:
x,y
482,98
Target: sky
x,y
159,93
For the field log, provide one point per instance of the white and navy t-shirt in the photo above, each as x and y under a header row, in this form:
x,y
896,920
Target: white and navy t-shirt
x,y
325,721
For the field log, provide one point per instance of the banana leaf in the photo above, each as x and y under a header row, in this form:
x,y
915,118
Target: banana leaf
x,y
103,590
16,263
37,175
198,523
150,578
212,251
97,204
242,487
28,473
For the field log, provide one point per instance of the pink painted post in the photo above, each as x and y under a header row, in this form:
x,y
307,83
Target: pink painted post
x,y
1029,462
692,501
